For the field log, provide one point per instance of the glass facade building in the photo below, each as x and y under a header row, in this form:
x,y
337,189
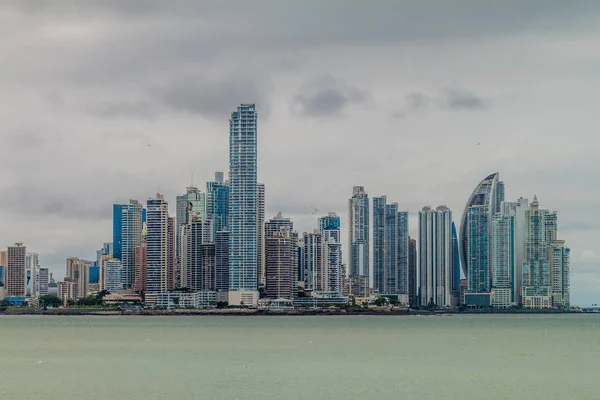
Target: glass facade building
x,y
243,201
329,228
358,235
217,203
127,237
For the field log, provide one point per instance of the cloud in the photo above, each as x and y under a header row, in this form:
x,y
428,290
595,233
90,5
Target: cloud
x,y
215,99
118,109
327,96
452,99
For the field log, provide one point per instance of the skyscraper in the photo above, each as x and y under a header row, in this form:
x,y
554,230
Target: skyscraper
x,y
536,289
559,257
140,279
195,234
455,278
222,261
358,232
15,271
503,258
260,246
435,257
243,206
413,290
518,208
32,267
475,234
390,248
217,202
313,258
159,246
281,263
127,237
43,281
329,228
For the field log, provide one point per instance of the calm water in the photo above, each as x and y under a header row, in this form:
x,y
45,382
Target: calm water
x,y
312,358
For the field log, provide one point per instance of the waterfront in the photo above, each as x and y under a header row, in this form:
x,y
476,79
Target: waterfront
x,y
354,357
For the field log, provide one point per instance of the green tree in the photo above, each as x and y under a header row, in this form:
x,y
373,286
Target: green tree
x,y
50,300
222,304
4,304
382,301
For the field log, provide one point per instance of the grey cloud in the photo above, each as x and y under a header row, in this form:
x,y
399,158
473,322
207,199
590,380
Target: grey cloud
x,y
215,99
458,99
328,96
141,109
453,99
26,138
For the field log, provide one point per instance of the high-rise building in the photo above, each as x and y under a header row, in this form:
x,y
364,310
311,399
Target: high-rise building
x,y
358,232
140,279
222,261
260,246
281,263
113,270
329,228
217,202
209,266
243,206
412,272
503,257
15,271
559,257
536,289
455,278
390,248
32,267
195,234
160,244
482,205
43,281
78,273
314,254
403,253
435,257
518,208
190,207
127,237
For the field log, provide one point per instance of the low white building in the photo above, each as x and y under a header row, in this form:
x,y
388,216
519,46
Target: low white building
x,y
202,299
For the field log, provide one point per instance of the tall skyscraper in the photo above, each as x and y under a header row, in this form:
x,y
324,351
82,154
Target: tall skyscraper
x,y
209,266
127,237
160,243
15,270
195,234
475,236
243,206
329,228
222,261
455,279
260,215
390,248
413,287
32,267
140,282
43,281
435,256
281,263
78,273
403,254
113,271
518,208
536,289
217,202
559,257
314,266
503,258
358,232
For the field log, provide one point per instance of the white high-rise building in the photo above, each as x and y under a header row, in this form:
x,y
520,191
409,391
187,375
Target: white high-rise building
x,y
503,258
260,215
329,228
43,281
435,256
15,271
243,206
559,256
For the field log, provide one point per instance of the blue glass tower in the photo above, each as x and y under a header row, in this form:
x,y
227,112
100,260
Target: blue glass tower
x,y
217,203
117,229
243,205
127,236
455,280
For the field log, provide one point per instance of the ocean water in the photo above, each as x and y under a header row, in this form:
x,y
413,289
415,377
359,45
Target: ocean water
x,y
311,358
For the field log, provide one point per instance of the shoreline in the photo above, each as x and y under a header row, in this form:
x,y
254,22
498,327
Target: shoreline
x,y
247,313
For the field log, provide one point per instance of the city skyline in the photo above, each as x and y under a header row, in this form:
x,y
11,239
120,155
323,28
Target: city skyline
x,y
437,94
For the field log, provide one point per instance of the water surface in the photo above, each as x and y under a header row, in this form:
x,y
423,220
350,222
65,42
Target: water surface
x,y
314,358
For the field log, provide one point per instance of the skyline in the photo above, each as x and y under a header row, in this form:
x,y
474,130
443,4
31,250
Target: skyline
x,y
429,99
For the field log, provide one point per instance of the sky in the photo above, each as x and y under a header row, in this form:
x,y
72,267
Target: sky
x,y
106,101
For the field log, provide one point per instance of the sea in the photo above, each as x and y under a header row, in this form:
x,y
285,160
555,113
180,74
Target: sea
x,y
530,357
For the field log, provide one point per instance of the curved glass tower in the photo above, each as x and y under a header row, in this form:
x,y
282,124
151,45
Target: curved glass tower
x,y
475,227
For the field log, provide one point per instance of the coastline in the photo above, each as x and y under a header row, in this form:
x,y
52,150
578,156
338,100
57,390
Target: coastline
x,y
241,312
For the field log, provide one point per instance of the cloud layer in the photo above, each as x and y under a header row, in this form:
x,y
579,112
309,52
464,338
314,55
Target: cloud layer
x,y
109,100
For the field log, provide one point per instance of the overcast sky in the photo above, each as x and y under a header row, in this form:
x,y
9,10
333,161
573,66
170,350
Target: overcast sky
x,y
103,101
